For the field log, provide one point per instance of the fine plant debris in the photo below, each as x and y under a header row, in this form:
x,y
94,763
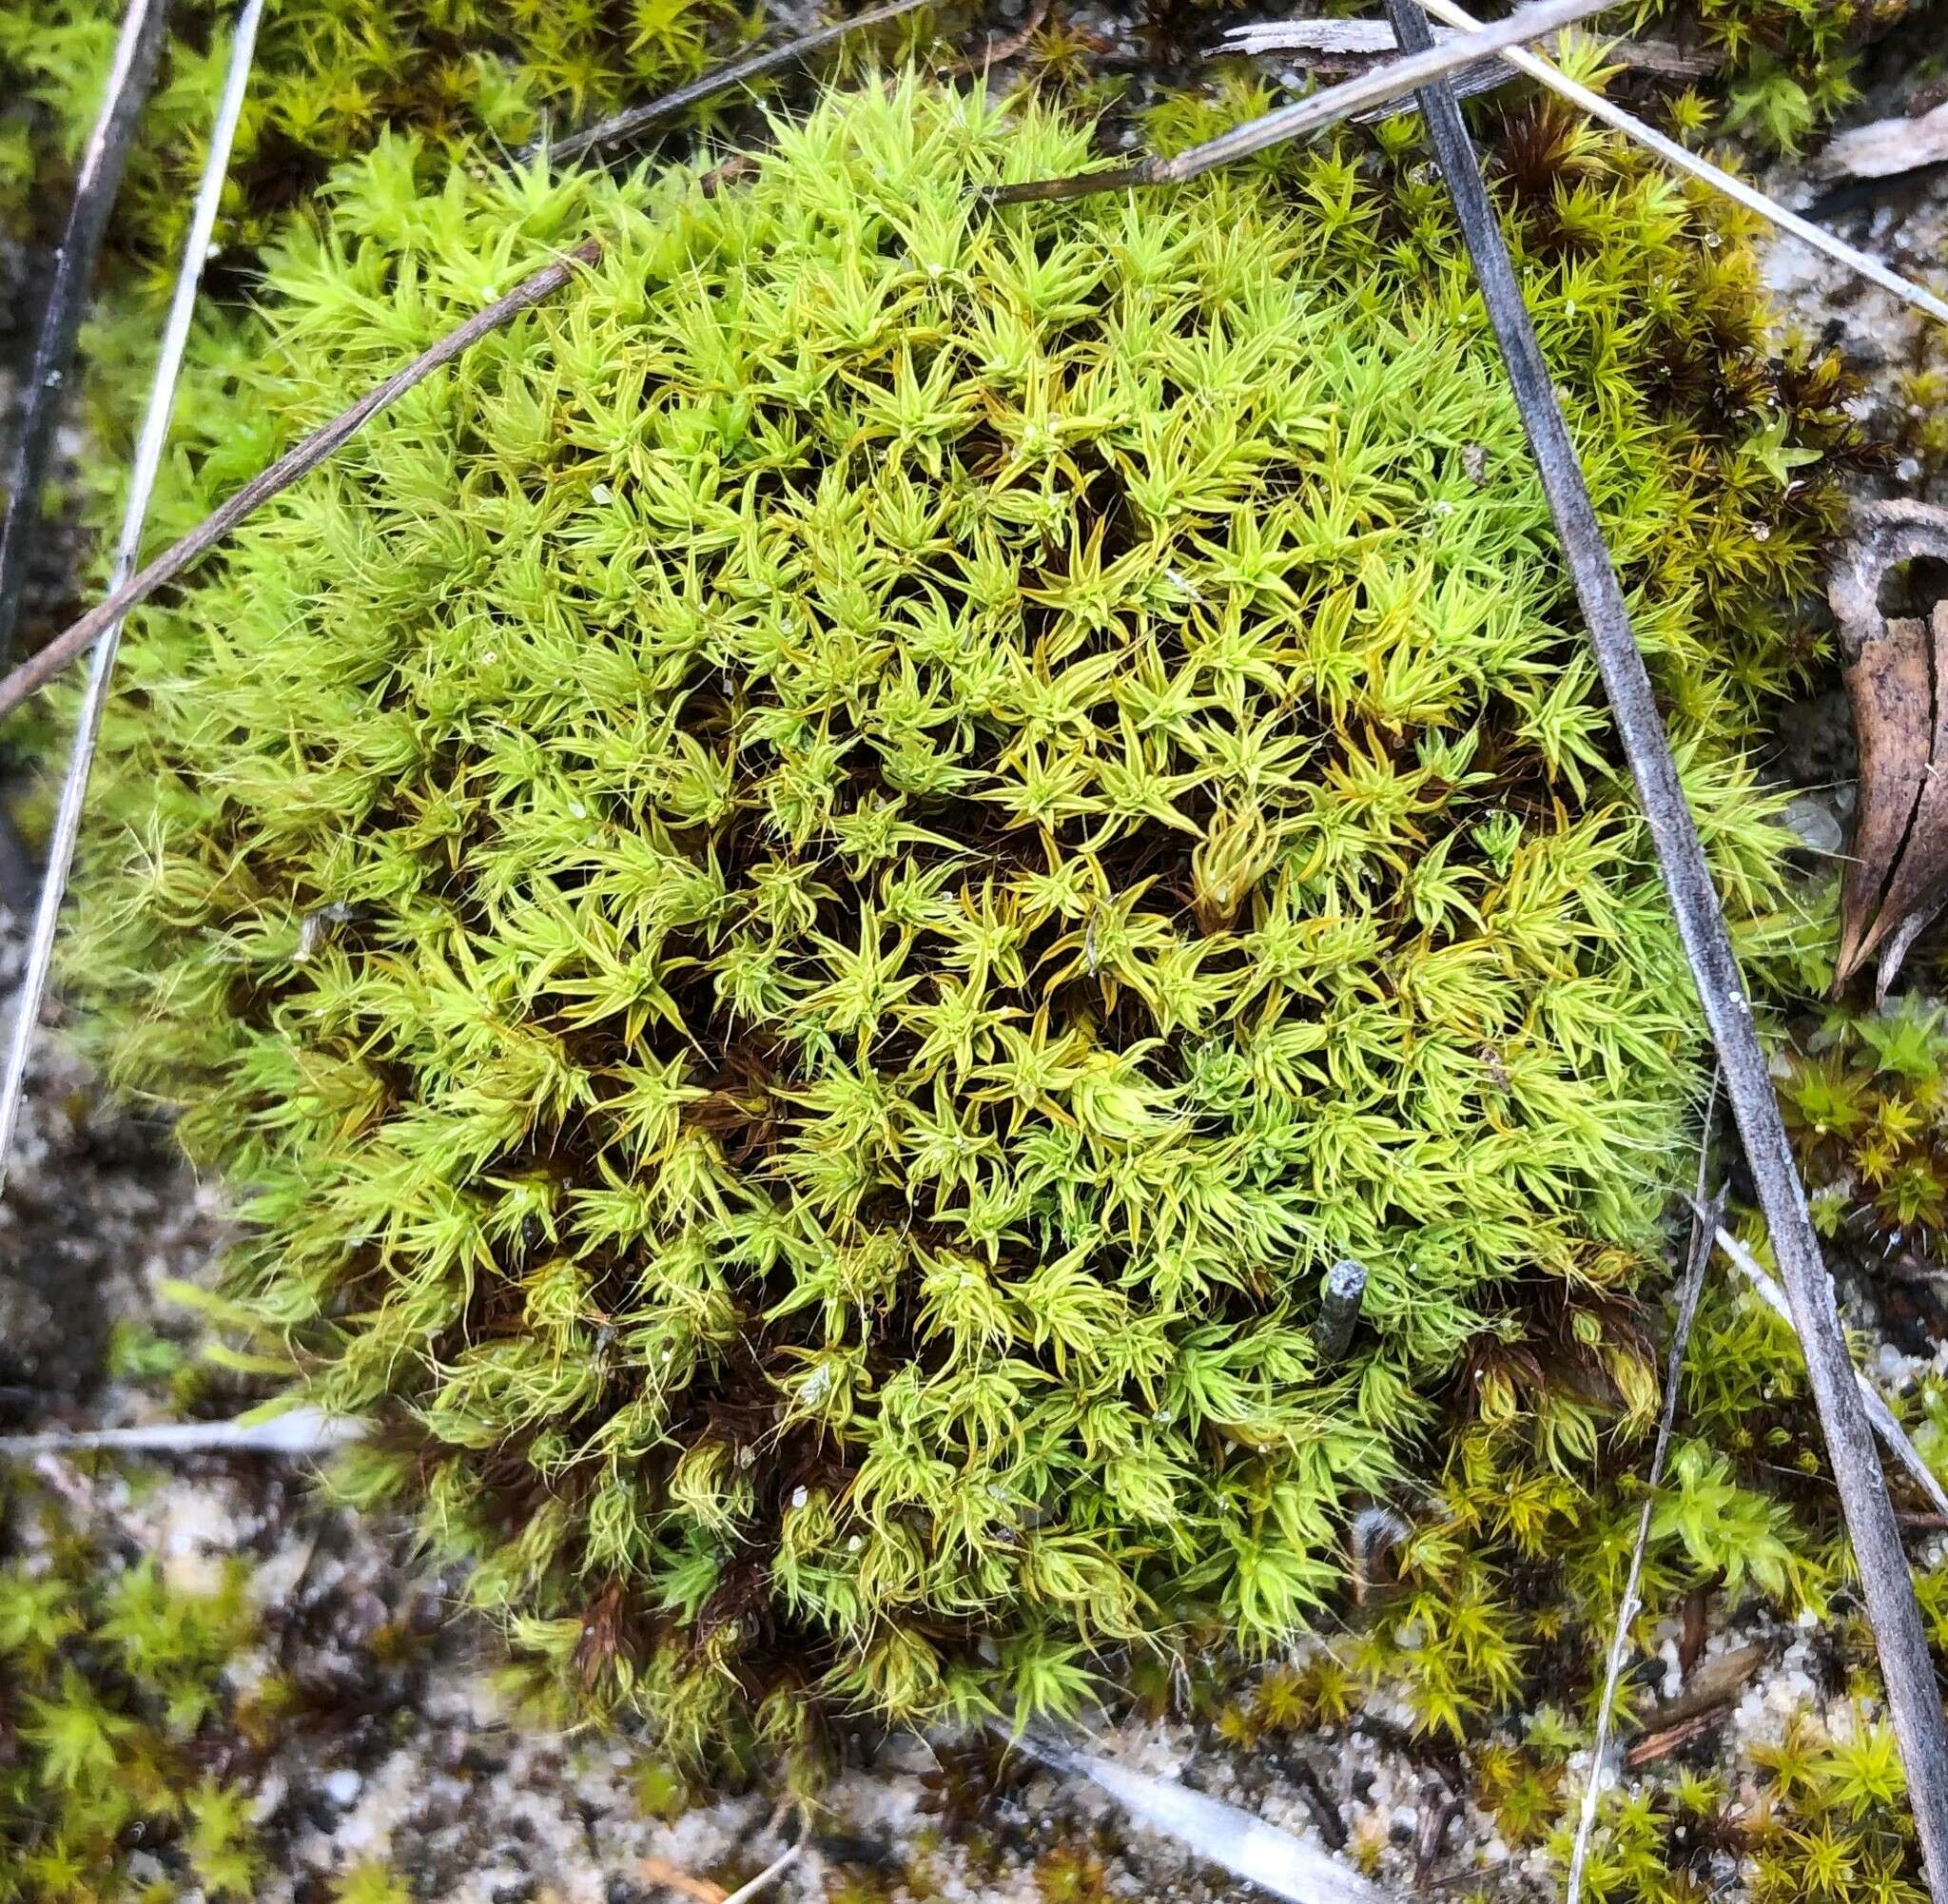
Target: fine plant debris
x,y
96,180
888,977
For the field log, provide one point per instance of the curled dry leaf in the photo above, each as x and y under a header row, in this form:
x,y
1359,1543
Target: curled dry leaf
x,y
1896,680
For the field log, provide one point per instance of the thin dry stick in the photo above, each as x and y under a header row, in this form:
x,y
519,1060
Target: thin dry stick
x,y
322,443
1704,1222
1912,1696
95,186
768,1876
148,459
624,125
300,1431
1307,116
42,667
1268,39
1890,1430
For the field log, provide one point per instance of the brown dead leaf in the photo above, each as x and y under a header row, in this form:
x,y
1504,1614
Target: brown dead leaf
x,y
1896,680
1716,1683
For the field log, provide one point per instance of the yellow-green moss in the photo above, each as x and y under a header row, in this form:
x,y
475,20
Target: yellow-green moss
x,y
811,894
473,79
112,1689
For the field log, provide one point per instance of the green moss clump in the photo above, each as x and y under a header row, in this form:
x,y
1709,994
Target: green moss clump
x,y
1811,1814
1788,62
111,1691
329,78
810,895
1867,1106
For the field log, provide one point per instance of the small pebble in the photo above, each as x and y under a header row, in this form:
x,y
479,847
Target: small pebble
x,y
1815,823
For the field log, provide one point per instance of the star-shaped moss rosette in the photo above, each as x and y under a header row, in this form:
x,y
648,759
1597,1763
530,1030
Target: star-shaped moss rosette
x,y
808,896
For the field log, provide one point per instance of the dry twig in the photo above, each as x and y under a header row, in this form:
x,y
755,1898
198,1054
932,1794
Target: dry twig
x,y
1913,1699
1307,116
637,118
305,457
95,185
142,480
1704,1222
1276,37
1340,44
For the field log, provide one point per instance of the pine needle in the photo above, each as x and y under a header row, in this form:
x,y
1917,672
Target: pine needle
x,y
96,183
1278,38
142,481
1704,1225
1913,1699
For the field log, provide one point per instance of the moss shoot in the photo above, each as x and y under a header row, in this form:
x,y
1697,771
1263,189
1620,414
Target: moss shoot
x,y
116,1706
468,76
810,896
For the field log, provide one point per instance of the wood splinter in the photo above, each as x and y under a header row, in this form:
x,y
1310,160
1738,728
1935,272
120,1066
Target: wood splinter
x,y
1341,1298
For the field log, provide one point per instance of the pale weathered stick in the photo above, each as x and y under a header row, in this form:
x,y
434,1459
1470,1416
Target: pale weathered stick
x,y
1886,1584
624,125
1270,38
1307,116
1703,1223
747,1894
1890,1430
1235,1839
303,1432
321,444
142,480
96,183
